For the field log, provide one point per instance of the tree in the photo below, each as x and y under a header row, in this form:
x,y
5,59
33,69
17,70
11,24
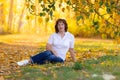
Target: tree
x,y
105,12
2,18
10,15
20,19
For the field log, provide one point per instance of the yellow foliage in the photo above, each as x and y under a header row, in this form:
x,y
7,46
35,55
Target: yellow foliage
x,y
118,40
92,1
96,5
72,27
109,30
102,28
102,11
112,34
73,1
104,36
40,20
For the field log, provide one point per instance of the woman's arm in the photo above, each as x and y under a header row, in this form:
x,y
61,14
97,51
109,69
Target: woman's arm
x,y
72,53
49,47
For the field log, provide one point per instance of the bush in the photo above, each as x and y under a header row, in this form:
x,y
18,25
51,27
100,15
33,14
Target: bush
x,y
77,66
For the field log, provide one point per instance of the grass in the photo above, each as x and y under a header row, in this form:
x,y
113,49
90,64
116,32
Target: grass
x,y
78,71
95,58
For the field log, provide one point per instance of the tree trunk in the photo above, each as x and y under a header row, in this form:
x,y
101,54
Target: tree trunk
x,y
10,15
45,25
36,18
20,19
2,18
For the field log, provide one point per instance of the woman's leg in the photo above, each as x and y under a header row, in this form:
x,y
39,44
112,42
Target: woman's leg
x,y
41,57
54,59
46,56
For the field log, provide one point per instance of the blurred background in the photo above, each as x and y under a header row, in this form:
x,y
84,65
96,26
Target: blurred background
x,y
85,18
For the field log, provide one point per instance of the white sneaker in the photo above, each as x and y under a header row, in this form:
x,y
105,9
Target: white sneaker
x,y
23,62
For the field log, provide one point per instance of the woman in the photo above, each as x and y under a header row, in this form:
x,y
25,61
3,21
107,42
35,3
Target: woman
x,y
58,44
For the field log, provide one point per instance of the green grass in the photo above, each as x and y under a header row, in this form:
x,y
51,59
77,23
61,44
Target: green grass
x,y
91,44
78,71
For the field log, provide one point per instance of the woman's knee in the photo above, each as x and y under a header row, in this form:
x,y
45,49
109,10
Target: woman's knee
x,y
60,60
47,52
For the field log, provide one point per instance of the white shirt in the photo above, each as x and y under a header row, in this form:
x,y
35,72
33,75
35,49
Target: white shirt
x,y
61,45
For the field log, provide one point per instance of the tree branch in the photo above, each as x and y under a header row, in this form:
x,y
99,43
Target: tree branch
x,y
104,18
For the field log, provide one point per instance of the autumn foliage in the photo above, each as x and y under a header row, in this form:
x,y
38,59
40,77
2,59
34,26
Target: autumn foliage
x,y
86,18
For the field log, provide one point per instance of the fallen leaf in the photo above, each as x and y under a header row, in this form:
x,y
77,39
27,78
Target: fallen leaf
x,y
2,78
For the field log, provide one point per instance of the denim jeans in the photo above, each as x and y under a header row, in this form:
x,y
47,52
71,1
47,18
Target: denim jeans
x,y
46,56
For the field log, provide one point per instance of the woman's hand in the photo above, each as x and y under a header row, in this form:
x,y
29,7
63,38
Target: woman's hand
x,y
72,53
49,47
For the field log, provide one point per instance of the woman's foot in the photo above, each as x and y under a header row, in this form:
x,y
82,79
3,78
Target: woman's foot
x,y
23,62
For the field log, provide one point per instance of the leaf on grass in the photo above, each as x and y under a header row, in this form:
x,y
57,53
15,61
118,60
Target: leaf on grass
x,y
54,74
44,69
86,73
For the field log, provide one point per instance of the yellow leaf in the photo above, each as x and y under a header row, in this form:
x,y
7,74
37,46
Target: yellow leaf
x,y
44,69
2,78
86,73
63,9
54,75
102,63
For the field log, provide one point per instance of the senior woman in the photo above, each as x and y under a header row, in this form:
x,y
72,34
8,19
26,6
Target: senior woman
x,y
59,43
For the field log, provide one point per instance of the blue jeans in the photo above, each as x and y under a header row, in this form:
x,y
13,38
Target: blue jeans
x,y
46,56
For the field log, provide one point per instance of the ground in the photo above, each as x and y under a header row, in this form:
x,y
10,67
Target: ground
x,y
96,59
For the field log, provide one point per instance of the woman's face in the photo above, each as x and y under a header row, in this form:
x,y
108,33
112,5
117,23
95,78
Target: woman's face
x,y
61,26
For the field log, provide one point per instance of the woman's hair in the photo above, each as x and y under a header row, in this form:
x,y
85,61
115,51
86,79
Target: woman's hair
x,y
56,25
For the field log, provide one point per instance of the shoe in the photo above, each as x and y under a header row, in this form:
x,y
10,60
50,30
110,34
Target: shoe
x,y
23,63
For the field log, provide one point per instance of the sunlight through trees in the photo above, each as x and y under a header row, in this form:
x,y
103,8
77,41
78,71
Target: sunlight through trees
x,y
86,18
